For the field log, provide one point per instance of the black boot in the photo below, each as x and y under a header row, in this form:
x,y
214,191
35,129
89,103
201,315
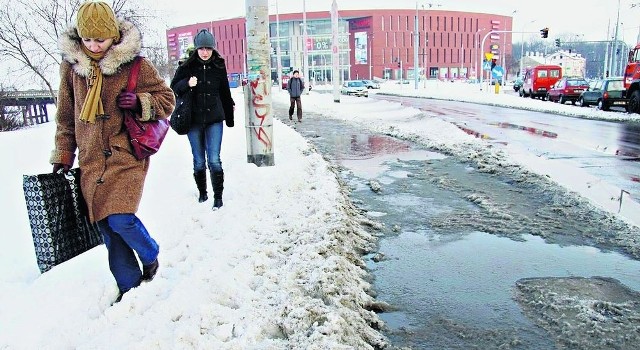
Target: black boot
x,y
217,180
201,181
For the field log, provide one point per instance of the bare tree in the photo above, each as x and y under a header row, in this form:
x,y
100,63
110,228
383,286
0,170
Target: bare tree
x,y
29,32
28,36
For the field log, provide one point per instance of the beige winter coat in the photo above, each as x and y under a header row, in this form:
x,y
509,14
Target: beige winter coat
x,y
112,179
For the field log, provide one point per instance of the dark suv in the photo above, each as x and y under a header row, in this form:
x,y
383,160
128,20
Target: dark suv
x,y
605,93
567,89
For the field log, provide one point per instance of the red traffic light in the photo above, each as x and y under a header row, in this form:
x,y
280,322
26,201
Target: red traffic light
x,y
544,32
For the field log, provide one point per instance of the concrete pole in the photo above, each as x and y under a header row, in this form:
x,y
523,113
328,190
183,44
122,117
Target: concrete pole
x,y
257,93
278,54
305,49
335,53
614,50
416,42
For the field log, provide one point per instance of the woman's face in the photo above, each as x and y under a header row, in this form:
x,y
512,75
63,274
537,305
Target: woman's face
x,y
205,53
97,45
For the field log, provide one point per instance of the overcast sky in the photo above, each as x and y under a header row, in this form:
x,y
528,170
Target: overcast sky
x,y
563,17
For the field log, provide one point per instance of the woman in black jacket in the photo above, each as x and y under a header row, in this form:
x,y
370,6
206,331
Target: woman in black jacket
x,y
205,75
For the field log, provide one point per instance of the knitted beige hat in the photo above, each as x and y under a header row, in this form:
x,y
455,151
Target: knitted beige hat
x,y
97,20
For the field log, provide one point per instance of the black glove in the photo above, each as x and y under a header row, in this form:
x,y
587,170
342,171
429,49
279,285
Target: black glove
x,y
229,122
128,100
64,167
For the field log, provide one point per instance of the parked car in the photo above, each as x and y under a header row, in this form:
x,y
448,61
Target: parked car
x,y
605,93
285,81
567,89
370,84
539,79
517,84
355,88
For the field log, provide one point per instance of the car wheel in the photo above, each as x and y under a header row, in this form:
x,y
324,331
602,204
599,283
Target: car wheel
x,y
547,98
633,106
581,102
531,94
602,105
521,93
562,100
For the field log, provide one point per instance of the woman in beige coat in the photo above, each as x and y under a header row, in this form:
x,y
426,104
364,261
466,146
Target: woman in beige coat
x,y
97,57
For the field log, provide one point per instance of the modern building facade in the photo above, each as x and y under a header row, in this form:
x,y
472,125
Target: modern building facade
x,y
373,43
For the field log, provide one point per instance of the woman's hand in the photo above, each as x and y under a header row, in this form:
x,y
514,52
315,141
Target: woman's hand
x,y
193,81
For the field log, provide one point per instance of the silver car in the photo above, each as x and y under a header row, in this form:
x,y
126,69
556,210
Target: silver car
x,y
355,88
370,84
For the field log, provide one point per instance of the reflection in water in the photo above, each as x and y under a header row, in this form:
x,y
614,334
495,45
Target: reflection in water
x,y
629,140
371,145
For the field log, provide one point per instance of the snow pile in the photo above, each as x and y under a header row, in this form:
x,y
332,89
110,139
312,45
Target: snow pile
x,y
279,266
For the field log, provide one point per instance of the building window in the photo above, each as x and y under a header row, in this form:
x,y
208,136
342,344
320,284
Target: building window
x,y
390,22
451,24
382,23
398,23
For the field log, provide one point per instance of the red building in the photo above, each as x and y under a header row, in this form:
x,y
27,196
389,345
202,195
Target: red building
x,y
373,43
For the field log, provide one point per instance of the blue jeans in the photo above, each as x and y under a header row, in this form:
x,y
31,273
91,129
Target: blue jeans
x,y
206,138
123,235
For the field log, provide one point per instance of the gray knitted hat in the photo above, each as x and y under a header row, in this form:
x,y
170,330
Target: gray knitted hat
x,y
204,39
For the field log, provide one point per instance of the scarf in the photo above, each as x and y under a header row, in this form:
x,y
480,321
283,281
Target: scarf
x,y
92,105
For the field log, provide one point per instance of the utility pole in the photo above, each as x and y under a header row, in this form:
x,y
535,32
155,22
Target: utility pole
x,y
335,53
305,48
257,94
416,42
278,55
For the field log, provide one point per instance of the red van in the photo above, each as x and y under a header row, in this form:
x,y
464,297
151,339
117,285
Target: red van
x,y
539,79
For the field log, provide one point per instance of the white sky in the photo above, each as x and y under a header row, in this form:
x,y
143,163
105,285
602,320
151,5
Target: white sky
x,y
588,17
234,278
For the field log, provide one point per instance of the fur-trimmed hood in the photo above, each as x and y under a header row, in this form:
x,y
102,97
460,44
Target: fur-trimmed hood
x,y
119,53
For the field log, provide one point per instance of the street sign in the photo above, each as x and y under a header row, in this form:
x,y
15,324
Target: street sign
x,y
486,65
497,72
488,56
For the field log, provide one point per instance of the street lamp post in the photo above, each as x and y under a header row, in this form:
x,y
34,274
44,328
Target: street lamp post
x,y
305,49
522,47
475,68
278,55
416,42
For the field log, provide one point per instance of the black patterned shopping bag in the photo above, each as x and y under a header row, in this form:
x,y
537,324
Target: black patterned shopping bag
x,y
58,217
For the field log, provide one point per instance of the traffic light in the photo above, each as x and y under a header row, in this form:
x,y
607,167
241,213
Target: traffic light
x,y
493,63
544,32
557,42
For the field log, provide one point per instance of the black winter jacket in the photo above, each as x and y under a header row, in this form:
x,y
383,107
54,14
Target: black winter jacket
x,y
212,100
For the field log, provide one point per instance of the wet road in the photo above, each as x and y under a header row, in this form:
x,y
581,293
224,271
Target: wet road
x,y
608,150
455,241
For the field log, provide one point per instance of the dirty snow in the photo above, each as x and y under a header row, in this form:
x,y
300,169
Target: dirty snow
x,y
278,267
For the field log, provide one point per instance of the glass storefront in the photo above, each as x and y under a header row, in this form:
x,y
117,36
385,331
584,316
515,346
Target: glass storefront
x,y
319,45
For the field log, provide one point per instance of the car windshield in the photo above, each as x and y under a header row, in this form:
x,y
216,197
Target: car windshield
x,y
577,82
355,84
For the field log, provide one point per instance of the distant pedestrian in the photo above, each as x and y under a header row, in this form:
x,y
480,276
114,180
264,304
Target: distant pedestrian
x,y
204,74
295,86
97,55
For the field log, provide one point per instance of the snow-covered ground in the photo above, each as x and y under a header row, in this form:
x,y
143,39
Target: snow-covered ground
x,y
278,267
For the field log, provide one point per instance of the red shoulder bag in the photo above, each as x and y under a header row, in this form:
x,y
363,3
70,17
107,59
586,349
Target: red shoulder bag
x,y
145,137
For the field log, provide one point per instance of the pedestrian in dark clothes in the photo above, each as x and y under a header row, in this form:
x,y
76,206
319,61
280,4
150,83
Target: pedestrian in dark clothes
x,y
295,86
